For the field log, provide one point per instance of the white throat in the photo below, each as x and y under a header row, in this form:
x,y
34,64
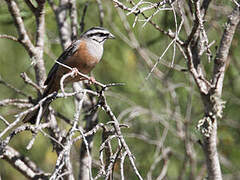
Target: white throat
x,y
95,49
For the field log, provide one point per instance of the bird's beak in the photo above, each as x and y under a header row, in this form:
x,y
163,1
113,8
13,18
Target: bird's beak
x,y
111,36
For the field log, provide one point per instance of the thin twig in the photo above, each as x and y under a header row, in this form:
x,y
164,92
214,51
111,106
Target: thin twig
x,y
10,37
30,82
101,12
116,126
73,17
82,24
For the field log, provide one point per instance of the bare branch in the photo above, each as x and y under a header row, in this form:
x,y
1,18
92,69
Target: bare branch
x,y
23,164
36,53
116,126
23,37
101,13
20,103
61,16
4,120
220,60
210,143
73,17
91,119
20,115
30,5
30,82
5,36
138,11
40,32
82,24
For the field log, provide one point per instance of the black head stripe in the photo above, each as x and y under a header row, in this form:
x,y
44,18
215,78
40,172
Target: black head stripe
x,y
96,31
100,34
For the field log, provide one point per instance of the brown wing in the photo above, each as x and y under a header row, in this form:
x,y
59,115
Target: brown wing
x,y
65,55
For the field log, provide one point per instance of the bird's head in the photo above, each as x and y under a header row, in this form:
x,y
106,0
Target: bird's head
x,y
98,34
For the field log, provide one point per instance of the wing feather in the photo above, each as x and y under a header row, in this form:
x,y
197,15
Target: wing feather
x,y
62,58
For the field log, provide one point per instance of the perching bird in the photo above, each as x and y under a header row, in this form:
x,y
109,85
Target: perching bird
x,y
82,54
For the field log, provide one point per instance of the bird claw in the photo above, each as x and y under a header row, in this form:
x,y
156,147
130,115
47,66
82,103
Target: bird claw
x,y
74,72
91,80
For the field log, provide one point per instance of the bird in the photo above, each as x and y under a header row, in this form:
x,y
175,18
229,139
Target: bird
x,y
83,54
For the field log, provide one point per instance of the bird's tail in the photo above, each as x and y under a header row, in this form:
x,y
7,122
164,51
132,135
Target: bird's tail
x,y
31,117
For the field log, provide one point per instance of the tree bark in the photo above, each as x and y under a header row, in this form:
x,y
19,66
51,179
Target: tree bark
x,y
220,64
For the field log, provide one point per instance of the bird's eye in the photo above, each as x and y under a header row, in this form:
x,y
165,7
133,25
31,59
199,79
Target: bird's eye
x,y
102,34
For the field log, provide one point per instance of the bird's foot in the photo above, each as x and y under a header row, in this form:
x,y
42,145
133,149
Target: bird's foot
x,y
91,80
74,72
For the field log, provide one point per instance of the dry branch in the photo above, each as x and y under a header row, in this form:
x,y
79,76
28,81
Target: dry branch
x,y
28,168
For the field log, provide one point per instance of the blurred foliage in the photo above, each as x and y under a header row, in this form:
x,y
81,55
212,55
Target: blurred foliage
x,y
121,63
